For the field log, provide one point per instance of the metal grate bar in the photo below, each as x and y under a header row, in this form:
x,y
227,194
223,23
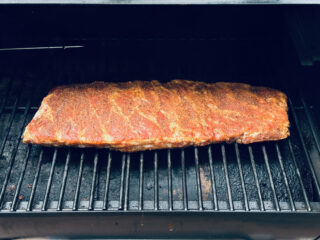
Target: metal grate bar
x,y
25,162
306,109
76,195
196,159
245,197
5,98
94,179
299,176
14,152
169,181
123,165
64,178
253,164
46,196
3,105
40,48
156,183
141,182
105,199
266,159
7,130
213,181
305,148
184,181
35,181
293,208
126,190
225,166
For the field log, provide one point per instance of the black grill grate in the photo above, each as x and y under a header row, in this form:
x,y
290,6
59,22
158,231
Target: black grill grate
x,y
263,177
274,176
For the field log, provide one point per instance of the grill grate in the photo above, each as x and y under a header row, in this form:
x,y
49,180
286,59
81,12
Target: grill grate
x,y
214,178
280,176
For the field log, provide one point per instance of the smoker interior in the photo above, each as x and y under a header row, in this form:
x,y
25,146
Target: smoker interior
x,y
118,43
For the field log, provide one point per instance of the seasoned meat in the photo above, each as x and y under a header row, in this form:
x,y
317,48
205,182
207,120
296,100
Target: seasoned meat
x,y
134,116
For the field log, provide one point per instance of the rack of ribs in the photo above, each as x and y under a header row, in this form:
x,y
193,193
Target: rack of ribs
x,y
140,115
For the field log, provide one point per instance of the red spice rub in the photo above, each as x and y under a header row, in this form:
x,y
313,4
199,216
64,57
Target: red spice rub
x,y
134,116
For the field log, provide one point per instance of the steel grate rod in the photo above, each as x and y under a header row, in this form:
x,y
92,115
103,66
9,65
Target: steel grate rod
x,y
2,107
141,182
46,196
25,162
106,192
126,190
93,181
123,165
213,181
64,178
40,48
76,195
266,159
184,182
35,181
226,173
306,109
305,149
4,101
14,152
7,130
299,176
246,204
156,183
196,159
5,98
169,181
293,208
253,164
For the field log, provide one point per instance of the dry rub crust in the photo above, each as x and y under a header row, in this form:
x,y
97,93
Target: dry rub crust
x,y
134,116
